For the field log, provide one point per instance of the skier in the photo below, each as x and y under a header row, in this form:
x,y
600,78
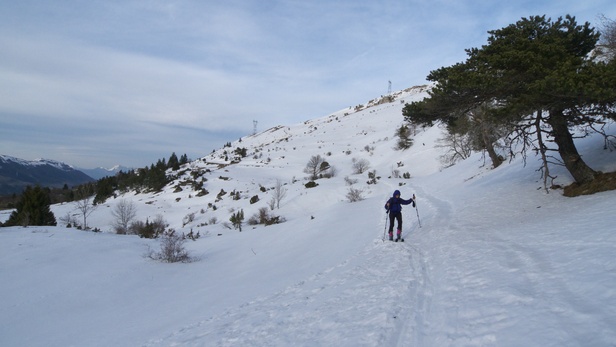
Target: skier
x,y
394,208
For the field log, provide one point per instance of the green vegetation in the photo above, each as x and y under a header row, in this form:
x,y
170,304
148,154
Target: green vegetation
x,y
532,83
32,209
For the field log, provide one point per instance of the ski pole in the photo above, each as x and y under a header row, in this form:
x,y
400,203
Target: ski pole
x,y
417,210
384,229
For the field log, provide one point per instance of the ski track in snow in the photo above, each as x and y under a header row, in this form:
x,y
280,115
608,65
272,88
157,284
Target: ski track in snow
x,y
536,282
389,304
314,311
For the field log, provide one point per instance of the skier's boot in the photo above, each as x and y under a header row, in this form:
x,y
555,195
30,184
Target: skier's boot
x,y
399,233
391,236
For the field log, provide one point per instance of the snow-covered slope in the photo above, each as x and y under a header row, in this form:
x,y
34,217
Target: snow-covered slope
x,y
496,261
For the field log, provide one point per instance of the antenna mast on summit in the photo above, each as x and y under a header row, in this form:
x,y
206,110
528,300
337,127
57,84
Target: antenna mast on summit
x,y
389,89
254,127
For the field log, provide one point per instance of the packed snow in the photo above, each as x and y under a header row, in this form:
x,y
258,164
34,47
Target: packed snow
x,y
497,261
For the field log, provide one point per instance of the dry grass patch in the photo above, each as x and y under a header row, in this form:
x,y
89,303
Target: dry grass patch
x,y
603,182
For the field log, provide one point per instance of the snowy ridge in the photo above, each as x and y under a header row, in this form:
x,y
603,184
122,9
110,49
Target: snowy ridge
x,y
36,162
497,261
16,174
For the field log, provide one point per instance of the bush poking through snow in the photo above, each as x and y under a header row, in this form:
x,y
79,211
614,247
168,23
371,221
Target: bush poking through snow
x,y
237,219
263,217
360,166
311,184
316,166
373,178
354,195
349,181
149,230
254,199
404,138
189,218
172,249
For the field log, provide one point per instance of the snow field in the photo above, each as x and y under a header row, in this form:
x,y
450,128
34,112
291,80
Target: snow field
x,y
497,261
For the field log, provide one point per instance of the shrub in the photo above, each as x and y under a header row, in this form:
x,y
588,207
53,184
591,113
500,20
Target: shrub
x,y
149,230
191,235
316,166
203,192
68,220
354,195
235,195
373,178
242,152
311,184
189,218
349,181
237,219
254,199
263,217
404,138
329,173
172,249
360,166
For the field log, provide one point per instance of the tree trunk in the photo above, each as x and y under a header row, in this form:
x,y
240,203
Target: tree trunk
x,y
581,172
489,147
496,159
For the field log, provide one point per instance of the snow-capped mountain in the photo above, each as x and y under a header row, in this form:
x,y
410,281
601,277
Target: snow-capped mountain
x,y
100,172
16,174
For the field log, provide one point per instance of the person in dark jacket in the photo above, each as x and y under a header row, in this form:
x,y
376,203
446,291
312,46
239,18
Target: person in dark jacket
x,y
394,208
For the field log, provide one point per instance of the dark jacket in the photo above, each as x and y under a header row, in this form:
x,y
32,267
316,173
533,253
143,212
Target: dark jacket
x,y
395,203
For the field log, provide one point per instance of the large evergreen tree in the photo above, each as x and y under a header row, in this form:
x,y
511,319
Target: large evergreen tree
x,y
535,67
33,208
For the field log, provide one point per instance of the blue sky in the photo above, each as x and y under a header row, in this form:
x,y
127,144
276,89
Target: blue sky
x,y
98,83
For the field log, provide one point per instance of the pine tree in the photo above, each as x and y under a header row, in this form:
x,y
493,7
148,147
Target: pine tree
x,y
535,68
173,162
105,187
33,208
404,137
183,159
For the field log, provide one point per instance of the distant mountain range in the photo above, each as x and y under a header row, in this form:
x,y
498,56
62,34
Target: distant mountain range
x,y
16,174
101,172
